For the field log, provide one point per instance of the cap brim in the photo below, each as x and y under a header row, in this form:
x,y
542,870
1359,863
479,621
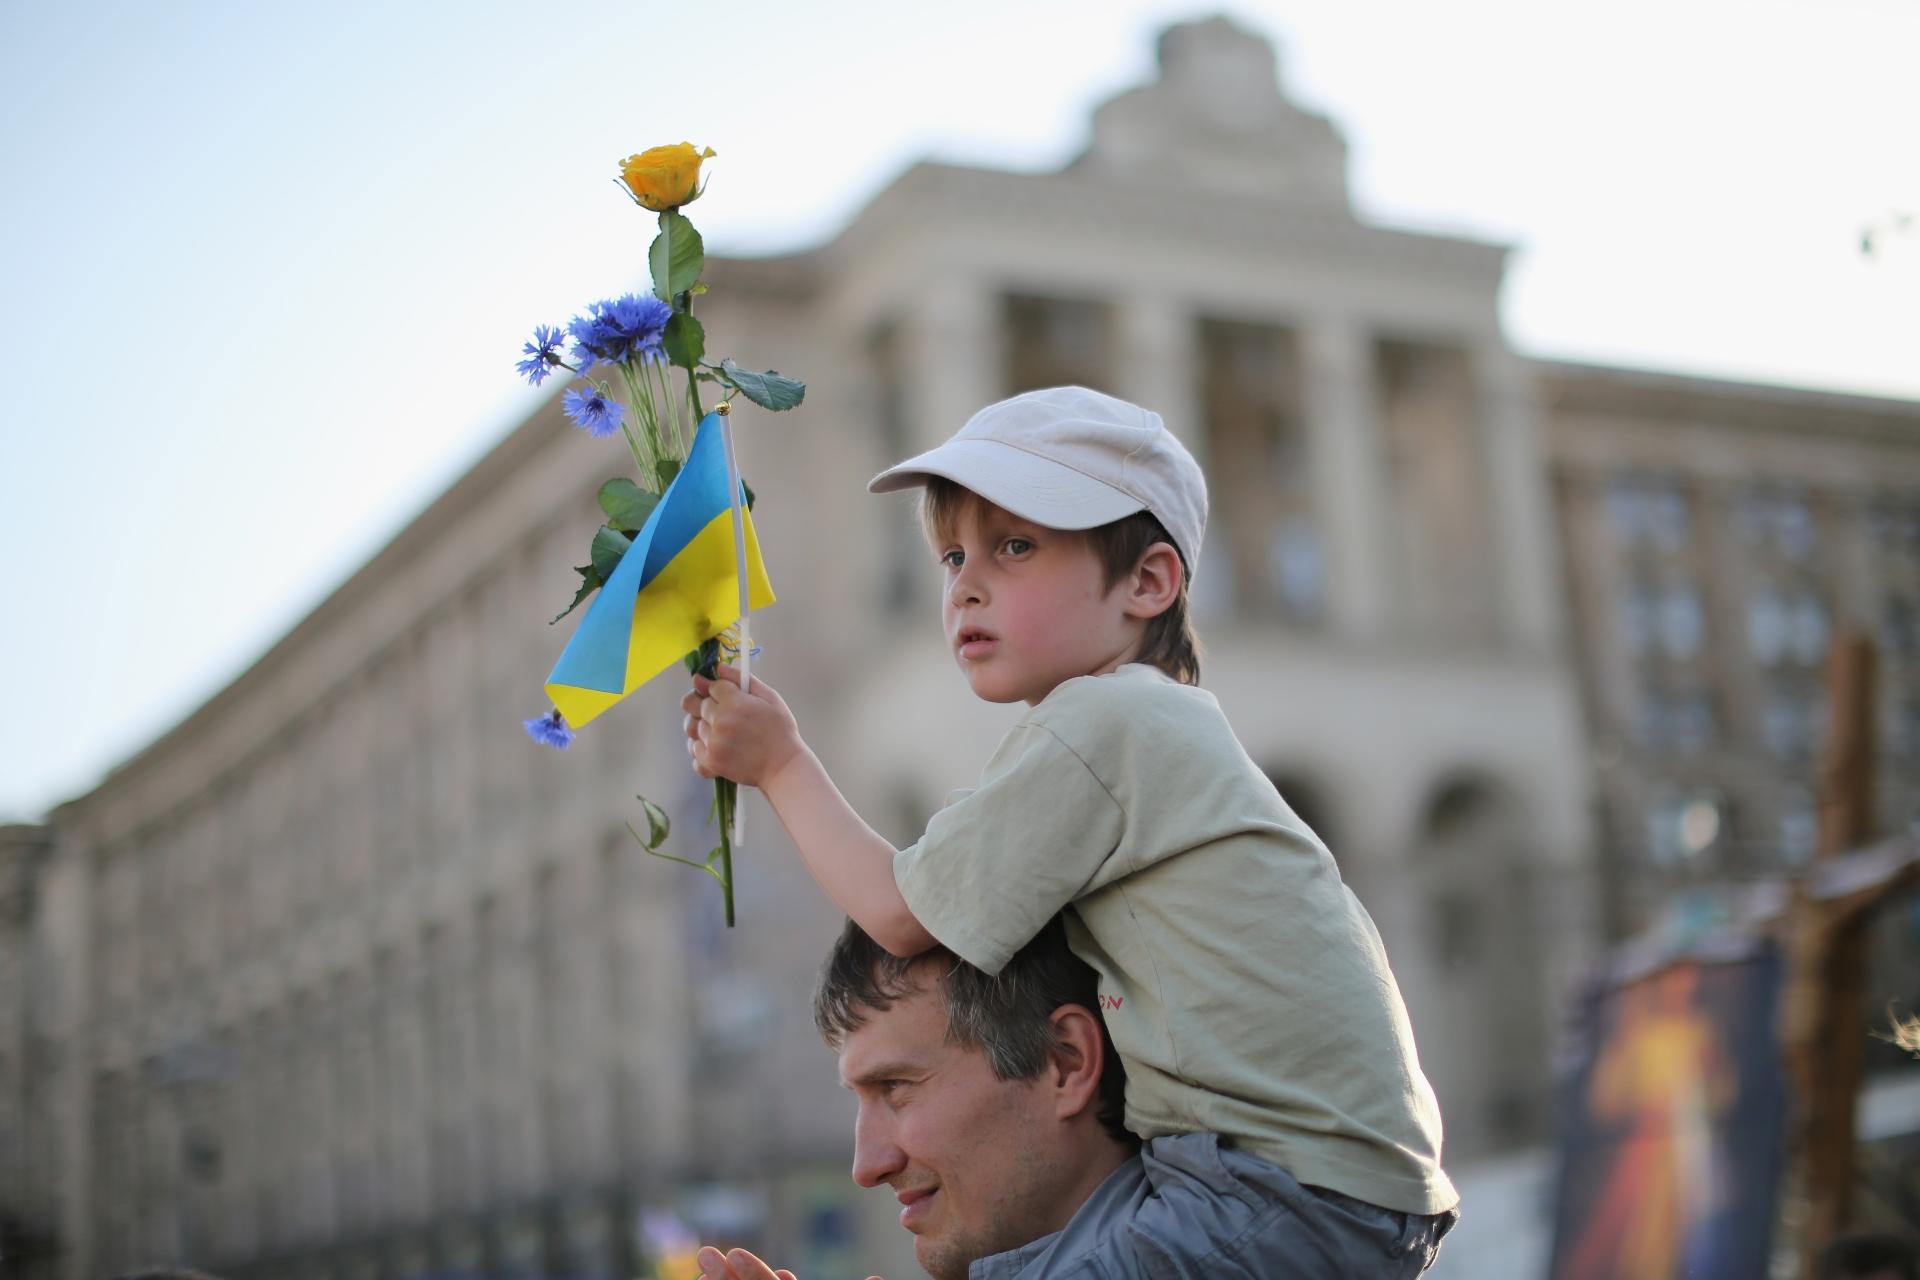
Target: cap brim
x,y
1031,487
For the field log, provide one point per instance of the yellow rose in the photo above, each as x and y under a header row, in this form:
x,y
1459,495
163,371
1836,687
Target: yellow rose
x,y
665,178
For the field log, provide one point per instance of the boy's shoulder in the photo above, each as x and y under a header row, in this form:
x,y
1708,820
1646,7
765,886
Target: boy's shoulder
x,y
1133,694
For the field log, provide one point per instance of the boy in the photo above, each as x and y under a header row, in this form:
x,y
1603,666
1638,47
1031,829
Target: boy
x,y
1244,986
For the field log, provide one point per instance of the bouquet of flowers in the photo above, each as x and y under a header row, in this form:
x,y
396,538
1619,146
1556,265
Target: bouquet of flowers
x,y
675,569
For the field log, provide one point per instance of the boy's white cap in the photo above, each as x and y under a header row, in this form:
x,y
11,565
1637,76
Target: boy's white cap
x,y
1070,458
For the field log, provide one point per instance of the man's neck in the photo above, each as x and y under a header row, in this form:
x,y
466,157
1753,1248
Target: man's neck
x,y
1101,1160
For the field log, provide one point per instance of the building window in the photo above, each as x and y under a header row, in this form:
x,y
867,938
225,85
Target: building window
x,y
1678,720
1650,512
1683,624
1768,626
1262,480
1799,827
1903,728
1053,342
1790,721
1786,626
1780,522
1638,615
1899,625
1297,568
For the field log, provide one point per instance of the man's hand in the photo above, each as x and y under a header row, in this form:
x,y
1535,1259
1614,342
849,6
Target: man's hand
x,y
748,737
739,1265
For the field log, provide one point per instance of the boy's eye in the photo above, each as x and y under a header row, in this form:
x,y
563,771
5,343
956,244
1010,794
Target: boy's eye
x,y
952,559
1018,546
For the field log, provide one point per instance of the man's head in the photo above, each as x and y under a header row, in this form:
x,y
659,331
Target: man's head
x,y
1071,461
990,1105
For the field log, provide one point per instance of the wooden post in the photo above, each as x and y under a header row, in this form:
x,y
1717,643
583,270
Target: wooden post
x,y
1827,958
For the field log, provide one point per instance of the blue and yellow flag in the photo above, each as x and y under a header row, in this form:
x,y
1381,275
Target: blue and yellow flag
x,y
675,587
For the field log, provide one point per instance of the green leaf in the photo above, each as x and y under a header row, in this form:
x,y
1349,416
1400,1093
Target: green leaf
x,y
685,340
627,505
768,390
589,583
664,470
608,546
658,827
689,257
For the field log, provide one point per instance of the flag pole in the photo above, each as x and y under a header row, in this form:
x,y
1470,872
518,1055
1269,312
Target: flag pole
x,y
740,572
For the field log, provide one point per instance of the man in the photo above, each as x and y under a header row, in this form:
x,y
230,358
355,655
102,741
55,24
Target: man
x,y
991,1107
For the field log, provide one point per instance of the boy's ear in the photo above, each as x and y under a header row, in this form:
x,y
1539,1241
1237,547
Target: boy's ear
x,y
1154,584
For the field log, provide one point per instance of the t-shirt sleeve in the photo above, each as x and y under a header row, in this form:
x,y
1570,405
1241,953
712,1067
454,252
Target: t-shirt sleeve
x,y
996,865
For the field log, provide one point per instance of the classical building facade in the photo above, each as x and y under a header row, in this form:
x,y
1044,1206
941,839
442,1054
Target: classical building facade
x,y
342,977
1717,537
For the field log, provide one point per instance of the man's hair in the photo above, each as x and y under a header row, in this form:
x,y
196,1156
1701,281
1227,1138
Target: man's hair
x,y
1007,1017
1852,1256
1169,641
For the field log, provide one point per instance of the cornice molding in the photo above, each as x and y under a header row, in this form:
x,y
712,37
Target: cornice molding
x,y
1568,388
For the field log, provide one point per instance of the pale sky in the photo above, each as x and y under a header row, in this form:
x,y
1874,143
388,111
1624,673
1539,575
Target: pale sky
x,y
265,269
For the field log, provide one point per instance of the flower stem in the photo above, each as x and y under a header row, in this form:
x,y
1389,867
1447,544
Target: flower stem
x,y
673,410
645,410
726,795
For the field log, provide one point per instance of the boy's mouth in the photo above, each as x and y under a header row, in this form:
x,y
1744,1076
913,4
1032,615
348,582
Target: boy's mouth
x,y
974,642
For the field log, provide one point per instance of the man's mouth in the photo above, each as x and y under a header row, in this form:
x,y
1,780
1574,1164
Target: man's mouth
x,y
916,1203
974,642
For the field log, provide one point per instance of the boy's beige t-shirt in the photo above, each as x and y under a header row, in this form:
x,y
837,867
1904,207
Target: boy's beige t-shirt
x,y
1243,983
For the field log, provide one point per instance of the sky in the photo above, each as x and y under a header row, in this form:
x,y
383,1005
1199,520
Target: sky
x,y
265,269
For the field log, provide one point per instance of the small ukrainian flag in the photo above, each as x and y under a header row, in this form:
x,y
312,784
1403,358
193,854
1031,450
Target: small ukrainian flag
x,y
675,587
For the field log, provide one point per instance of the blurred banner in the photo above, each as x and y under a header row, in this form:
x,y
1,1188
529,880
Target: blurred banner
x,y
1675,1126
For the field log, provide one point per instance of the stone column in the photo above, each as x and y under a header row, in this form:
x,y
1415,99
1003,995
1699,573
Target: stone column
x,y
1516,475
1349,478
953,365
1155,366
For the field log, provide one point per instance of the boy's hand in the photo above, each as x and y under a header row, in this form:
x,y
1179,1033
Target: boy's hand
x,y
748,737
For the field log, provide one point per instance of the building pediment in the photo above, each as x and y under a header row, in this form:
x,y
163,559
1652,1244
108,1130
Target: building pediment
x,y
1217,121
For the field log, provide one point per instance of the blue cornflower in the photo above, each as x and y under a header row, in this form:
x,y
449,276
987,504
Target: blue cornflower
x,y
542,354
598,415
550,730
611,331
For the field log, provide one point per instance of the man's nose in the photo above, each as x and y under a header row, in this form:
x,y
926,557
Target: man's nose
x,y
876,1156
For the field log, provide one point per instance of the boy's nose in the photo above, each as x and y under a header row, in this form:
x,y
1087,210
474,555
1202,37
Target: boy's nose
x,y
965,589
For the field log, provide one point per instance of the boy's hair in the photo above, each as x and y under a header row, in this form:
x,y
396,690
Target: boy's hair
x,y
1169,641
1006,1016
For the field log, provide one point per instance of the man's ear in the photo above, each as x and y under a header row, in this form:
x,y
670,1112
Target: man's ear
x,y
1076,1061
1154,584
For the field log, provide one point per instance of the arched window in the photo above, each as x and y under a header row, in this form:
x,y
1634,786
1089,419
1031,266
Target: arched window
x,y
1308,802
1473,962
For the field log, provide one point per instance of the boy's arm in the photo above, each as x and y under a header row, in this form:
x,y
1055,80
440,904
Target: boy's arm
x,y
752,738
